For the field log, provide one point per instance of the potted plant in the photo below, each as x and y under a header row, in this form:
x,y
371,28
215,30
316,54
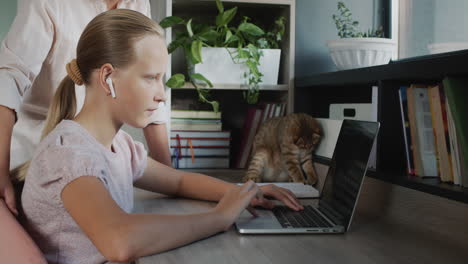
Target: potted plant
x,y
236,54
357,49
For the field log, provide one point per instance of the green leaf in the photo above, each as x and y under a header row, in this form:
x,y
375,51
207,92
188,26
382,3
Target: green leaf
x,y
176,81
229,15
222,19
176,44
196,51
232,39
220,6
189,28
215,106
171,21
208,36
200,77
251,29
188,55
228,36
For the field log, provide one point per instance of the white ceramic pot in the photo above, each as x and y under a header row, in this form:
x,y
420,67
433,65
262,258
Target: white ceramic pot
x,y
351,53
219,68
446,47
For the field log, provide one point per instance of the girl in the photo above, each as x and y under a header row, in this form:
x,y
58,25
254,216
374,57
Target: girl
x,y
78,191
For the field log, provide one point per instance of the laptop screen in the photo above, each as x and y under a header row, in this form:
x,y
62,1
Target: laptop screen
x,y
347,170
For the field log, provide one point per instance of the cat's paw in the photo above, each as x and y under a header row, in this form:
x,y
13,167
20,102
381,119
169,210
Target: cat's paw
x,y
253,178
311,180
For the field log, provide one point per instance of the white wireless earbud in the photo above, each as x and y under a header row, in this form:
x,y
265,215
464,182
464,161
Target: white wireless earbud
x,y
111,87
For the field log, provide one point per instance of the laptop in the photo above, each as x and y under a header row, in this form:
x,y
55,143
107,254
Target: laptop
x,y
335,208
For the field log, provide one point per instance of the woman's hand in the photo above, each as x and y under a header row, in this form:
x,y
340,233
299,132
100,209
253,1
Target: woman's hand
x,y
281,194
7,192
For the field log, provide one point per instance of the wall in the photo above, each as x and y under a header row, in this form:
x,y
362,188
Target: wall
x,y
7,14
450,20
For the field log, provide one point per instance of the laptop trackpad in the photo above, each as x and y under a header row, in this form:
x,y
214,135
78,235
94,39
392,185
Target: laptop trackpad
x,y
265,220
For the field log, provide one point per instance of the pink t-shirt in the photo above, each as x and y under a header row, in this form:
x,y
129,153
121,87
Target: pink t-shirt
x,y
66,154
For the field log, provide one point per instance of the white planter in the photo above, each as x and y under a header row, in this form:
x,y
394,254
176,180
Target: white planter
x,y
351,53
446,47
219,68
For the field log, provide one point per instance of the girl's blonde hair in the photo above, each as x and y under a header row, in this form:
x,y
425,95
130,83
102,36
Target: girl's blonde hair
x,y
108,38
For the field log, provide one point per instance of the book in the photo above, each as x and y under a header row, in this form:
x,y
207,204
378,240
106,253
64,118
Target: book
x,y
217,126
199,142
439,132
249,130
456,91
195,114
413,132
201,163
201,134
455,158
199,151
299,189
266,112
424,131
406,129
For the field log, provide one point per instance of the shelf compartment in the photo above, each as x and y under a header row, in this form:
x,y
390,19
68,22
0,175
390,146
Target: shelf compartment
x,y
218,86
425,184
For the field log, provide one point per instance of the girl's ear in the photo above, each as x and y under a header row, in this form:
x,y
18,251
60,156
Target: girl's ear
x,y
104,73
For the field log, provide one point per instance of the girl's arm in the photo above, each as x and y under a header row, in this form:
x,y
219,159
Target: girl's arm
x,y
162,179
166,180
124,237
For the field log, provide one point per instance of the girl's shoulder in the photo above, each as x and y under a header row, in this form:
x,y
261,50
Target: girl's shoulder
x,y
68,138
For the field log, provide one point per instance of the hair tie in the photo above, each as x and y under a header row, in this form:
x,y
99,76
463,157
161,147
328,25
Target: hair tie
x,y
74,72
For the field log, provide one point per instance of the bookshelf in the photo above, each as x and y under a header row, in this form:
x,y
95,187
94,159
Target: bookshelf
x,y
232,103
314,94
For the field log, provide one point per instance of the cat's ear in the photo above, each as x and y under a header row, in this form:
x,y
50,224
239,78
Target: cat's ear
x,y
300,142
315,138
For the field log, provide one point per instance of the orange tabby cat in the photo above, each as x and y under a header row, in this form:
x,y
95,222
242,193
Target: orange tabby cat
x,y
283,148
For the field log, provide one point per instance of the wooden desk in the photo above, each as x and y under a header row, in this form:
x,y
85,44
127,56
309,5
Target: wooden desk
x,y
380,238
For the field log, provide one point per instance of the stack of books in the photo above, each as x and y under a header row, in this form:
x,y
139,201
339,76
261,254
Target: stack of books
x,y
435,129
197,140
195,120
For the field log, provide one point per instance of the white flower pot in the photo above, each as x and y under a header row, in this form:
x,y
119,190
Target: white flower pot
x,y
218,67
351,53
446,47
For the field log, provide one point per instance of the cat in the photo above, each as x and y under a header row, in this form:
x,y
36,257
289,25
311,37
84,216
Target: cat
x,y
283,148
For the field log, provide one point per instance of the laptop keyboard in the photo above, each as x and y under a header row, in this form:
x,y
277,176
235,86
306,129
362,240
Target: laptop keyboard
x,y
308,217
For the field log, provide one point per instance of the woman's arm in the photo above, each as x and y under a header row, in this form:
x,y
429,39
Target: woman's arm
x,y
156,137
124,237
7,193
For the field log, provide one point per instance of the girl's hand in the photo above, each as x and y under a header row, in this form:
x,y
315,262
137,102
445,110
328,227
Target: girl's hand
x,y
281,194
235,201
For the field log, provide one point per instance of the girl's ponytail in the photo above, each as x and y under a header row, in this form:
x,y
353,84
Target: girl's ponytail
x,y
63,105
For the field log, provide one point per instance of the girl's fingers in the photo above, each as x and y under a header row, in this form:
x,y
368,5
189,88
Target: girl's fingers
x,y
252,211
246,187
288,199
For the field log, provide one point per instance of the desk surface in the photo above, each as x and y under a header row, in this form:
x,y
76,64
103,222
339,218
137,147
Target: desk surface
x,y
370,240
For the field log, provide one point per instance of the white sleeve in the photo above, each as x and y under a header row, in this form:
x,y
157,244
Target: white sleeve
x,y
24,50
148,9
160,116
